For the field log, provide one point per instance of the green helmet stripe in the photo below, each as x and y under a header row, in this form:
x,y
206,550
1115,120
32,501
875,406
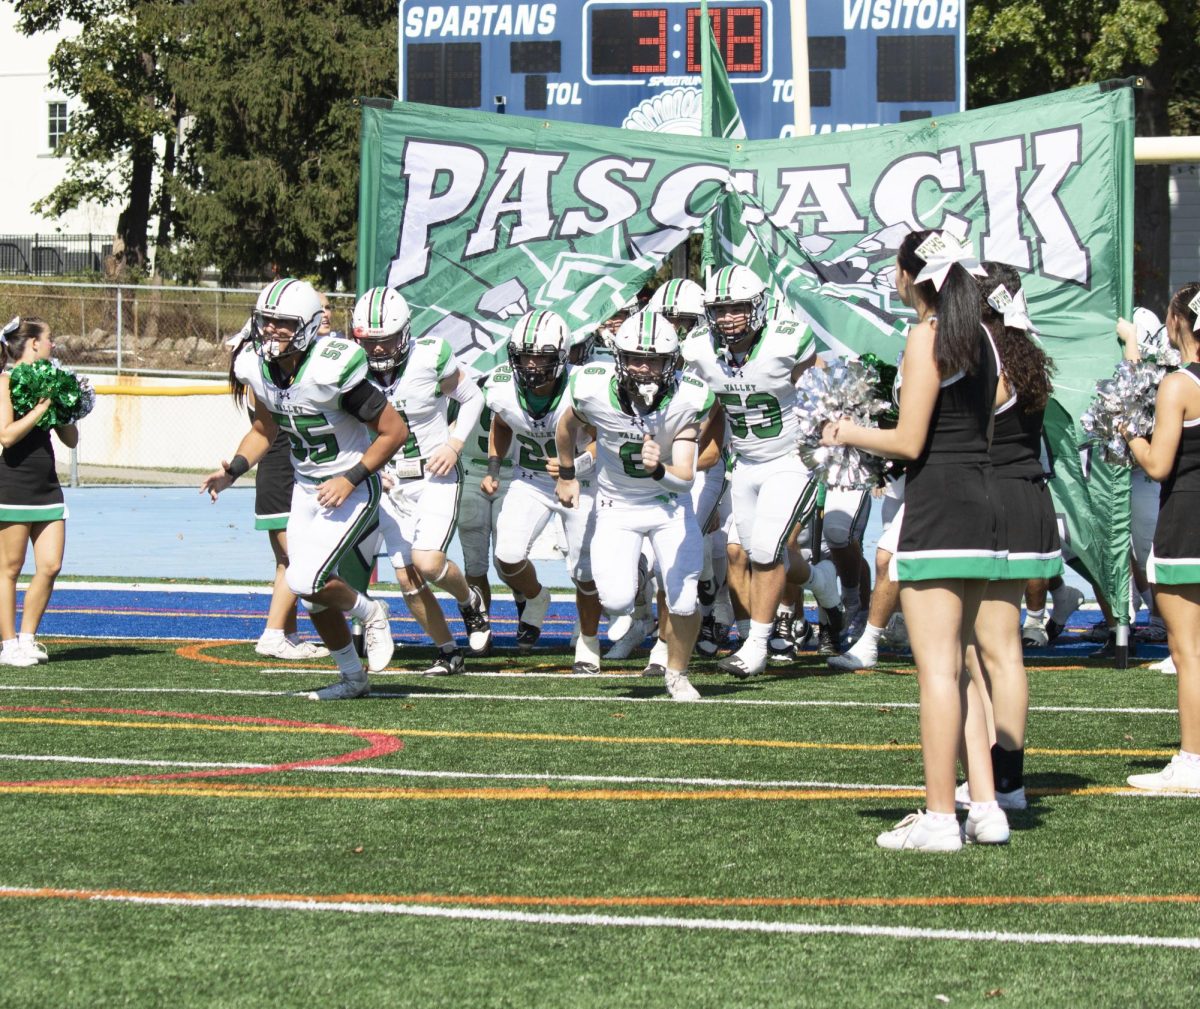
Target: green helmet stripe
x,y
375,309
534,323
723,279
647,334
276,291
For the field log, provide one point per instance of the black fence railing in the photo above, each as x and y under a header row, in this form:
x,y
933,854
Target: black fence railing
x,y
53,255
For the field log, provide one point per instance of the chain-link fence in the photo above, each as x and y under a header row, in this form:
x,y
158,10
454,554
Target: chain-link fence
x,y
158,359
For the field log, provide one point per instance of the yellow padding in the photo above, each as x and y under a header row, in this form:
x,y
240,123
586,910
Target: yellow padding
x,y
161,390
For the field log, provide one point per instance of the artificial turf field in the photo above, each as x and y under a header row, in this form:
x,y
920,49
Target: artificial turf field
x,y
181,829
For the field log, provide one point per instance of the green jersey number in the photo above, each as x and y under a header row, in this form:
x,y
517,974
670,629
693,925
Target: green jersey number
x,y
631,459
772,414
533,454
311,435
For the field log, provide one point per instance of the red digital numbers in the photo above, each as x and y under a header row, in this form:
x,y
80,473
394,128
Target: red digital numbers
x,y
654,41
739,38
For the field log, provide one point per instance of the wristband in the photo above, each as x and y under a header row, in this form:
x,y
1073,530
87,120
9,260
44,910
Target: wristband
x,y
494,463
658,472
566,472
237,467
357,473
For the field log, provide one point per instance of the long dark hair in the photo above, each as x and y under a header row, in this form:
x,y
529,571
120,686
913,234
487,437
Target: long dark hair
x,y
1179,304
12,347
956,341
236,386
1026,367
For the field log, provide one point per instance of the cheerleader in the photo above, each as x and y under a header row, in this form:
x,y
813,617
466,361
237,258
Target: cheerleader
x,y
948,545
31,499
1172,457
997,660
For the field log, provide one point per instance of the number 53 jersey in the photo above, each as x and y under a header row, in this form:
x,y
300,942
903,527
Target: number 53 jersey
x,y
326,440
620,435
759,397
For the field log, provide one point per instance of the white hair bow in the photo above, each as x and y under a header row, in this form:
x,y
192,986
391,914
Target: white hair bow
x,y
940,251
1194,305
11,326
1013,307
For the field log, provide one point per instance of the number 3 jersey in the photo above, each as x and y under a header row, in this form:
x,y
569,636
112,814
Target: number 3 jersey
x,y
758,396
620,434
533,436
326,440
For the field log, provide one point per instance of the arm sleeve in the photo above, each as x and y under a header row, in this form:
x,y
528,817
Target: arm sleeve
x,y
470,407
364,401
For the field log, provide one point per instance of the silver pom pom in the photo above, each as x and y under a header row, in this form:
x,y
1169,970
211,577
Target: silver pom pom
x,y
843,389
1125,401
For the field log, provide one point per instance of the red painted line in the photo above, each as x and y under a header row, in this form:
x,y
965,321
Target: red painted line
x,y
379,744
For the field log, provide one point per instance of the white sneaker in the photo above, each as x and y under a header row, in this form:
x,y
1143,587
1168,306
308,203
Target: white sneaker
x,y
823,584
281,648
680,687
346,689
1165,666
747,661
986,826
630,641
859,655
36,649
17,657
916,832
1009,801
377,636
1178,776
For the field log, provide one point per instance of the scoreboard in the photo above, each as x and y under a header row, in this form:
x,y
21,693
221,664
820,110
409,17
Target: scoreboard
x,y
617,63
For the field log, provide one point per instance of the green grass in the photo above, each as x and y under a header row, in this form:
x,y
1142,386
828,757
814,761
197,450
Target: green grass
x,y
318,840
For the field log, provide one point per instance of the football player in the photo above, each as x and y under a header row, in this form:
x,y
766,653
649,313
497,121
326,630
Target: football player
x,y
321,395
647,418
528,397
417,520
752,366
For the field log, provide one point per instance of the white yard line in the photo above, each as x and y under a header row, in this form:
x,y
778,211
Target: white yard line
x,y
906,932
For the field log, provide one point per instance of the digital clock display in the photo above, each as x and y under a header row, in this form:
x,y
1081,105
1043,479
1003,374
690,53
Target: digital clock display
x,y
641,41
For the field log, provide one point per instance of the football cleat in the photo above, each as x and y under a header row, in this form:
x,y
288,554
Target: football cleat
x,y
781,645
679,686
583,668
1035,635
475,619
746,665
631,640
529,625
377,638
447,664
282,648
654,669
346,689
706,640
829,632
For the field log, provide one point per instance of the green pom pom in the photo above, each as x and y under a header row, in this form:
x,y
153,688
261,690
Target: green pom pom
x,y
30,383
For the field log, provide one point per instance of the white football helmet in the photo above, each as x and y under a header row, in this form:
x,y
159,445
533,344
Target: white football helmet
x,y
381,325
605,330
681,301
731,288
286,305
646,348
537,349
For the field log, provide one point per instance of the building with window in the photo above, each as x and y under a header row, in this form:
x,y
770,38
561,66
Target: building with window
x,y
33,119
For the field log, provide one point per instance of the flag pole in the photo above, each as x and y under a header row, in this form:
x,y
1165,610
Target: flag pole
x,y
801,99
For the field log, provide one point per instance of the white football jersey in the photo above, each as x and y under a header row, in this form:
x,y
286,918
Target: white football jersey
x,y
474,456
619,435
326,440
533,437
416,393
758,396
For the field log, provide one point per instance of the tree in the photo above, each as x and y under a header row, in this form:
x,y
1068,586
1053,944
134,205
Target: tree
x,y
121,140
269,172
1020,48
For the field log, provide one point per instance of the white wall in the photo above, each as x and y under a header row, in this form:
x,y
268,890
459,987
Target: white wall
x,y
28,170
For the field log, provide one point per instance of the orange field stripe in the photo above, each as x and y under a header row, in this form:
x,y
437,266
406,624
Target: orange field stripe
x,y
614,901
537,793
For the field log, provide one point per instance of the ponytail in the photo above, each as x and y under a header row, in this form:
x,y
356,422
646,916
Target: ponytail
x,y
17,334
956,304
236,386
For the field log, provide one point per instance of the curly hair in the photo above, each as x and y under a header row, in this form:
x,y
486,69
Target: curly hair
x,y
1026,367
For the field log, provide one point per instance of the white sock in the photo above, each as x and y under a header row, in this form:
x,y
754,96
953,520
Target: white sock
x,y
1035,616
1190,758
25,639
271,635
658,654
869,640
587,649
348,662
940,819
362,607
979,808
760,634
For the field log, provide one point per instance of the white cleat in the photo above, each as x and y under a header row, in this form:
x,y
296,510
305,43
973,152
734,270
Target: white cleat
x,y
745,662
630,641
346,689
679,686
916,832
377,636
290,650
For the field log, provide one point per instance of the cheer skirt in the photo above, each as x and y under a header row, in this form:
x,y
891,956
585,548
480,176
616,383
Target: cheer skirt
x,y
1175,557
1030,528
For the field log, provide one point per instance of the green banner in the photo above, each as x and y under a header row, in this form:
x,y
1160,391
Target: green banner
x,y
477,218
